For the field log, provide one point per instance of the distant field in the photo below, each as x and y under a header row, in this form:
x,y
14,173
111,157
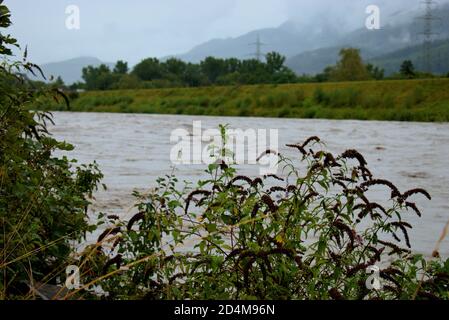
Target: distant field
x,y
401,100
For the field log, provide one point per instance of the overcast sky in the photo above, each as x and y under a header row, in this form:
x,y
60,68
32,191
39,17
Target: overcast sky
x,y
135,29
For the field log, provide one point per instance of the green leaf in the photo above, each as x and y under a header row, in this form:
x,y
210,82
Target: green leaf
x,y
211,227
228,220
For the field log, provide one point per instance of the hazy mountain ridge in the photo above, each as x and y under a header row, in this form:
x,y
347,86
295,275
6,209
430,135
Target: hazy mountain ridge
x,y
71,70
375,45
285,39
311,48
439,58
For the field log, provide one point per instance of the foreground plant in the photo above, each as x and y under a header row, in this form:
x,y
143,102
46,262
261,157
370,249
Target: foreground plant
x,y
313,233
43,198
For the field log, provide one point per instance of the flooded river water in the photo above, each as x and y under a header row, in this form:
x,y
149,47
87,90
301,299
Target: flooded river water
x,y
133,150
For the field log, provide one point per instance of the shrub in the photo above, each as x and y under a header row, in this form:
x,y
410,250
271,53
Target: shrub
x,y
244,111
43,199
310,112
418,95
270,101
409,102
388,101
344,98
372,101
284,112
320,97
73,95
311,234
203,101
300,96
217,101
113,100
282,99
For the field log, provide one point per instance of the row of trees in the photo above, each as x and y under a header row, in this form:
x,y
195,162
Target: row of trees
x,y
173,72
153,73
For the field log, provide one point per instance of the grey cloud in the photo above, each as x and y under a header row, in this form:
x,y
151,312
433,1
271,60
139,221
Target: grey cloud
x,y
134,29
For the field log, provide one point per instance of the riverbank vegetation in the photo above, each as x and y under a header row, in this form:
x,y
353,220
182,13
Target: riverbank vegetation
x,y
43,198
313,234
400,100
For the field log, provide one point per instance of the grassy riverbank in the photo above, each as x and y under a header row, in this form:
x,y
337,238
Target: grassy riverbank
x,y
400,100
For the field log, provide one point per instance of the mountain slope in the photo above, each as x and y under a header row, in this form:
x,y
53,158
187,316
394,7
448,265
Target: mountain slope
x,y
288,39
439,57
390,38
313,62
70,70
297,39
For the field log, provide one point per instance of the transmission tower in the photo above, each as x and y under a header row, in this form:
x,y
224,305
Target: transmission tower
x,y
428,33
258,44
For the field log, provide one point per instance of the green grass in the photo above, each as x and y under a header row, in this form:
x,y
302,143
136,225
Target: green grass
x,y
400,100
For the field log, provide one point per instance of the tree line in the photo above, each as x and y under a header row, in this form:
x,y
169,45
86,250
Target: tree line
x,y
154,73
173,72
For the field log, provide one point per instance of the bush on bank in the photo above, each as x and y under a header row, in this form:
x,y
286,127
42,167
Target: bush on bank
x,y
313,233
43,198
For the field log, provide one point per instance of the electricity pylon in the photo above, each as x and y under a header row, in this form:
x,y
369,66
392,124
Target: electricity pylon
x,y
428,33
258,44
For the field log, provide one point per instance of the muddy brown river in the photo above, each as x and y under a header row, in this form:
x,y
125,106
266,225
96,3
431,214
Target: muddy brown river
x,y
133,150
